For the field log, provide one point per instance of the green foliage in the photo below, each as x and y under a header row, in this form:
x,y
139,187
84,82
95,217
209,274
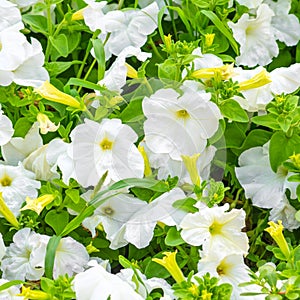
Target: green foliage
x,y
205,287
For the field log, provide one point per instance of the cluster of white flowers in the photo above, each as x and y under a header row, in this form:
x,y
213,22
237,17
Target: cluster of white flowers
x,y
178,124
20,61
257,34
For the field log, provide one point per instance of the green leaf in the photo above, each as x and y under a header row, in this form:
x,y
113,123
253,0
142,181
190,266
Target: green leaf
x,y
186,204
22,126
173,238
85,84
284,122
297,215
100,113
9,284
183,18
147,183
159,22
73,40
214,18
233,111
60,43
57,220
133,111
100,56
167,70
269,120
234,135
36,22
50,255
255,138
219,134
57,67
294,178
282,147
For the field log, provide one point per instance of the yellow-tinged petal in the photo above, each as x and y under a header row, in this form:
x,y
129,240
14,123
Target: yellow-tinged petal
x,y
131,71
275,230
7,213
260,79
147,169
295,158
205,295
27,293
45,124
91,249
78,15
225,72
190,163
168,41
209,39
169,262
50,92
39,203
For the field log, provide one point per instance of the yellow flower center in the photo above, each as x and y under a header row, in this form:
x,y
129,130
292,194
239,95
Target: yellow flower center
x,y
108,211
222,268
106,144
215,228
182,114
5,180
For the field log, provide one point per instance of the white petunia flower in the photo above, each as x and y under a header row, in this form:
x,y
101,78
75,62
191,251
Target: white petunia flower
x,y
229,269
59,155
286,26
16,184
25,257
2,248
177,124
145,287
93,14
283,80
10,293
250,3
139,228
113,215
217,230
256,38
167,166
10,16
132,27
264,187
115,77
31,72
19,148
6,128
12,54
20,61
285,212
37,163
108,146
25,3
70,258
98,284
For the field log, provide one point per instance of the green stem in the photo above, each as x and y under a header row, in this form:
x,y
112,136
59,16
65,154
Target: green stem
x,y
88,72
235,201
50,30
120,4
156,52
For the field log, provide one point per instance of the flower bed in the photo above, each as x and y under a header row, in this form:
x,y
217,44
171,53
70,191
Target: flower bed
x,y
149,149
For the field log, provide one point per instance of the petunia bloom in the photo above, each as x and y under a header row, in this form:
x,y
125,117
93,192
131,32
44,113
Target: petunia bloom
x,y
217,230
108,146
256,37
98,284
179,125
